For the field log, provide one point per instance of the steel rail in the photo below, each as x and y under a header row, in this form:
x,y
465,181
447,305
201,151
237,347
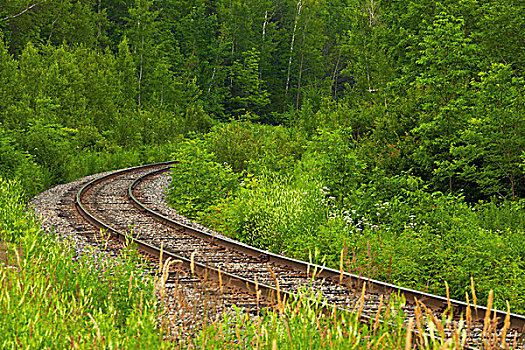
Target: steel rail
x,y
435,302
251,251
266,291
274,295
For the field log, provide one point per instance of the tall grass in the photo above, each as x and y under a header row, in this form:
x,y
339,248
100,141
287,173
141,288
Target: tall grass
x,y
50,297
302,323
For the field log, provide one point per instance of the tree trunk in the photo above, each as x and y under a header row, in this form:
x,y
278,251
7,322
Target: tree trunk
x,y
264,25
336,75
299,82
22,12
298,13
141,66
99,25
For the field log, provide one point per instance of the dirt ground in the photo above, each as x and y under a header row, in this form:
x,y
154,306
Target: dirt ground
x,y
3,253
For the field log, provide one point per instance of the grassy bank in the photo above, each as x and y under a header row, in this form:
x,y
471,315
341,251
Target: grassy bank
x,y
50,297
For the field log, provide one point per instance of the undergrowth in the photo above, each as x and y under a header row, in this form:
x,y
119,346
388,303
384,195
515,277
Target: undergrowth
x,y
51,297
330,198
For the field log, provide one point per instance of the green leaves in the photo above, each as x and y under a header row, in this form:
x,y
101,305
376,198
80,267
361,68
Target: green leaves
x,y
332,157
447,64
280,213
501,33
251,147
247,93
198,182
498,131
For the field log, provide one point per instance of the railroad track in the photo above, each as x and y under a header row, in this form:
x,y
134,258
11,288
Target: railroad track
x,y
248,276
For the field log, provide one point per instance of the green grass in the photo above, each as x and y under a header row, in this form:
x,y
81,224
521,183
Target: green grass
x,y
50,298
302,324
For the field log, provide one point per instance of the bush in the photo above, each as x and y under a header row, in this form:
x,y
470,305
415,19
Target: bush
x,y
280,213
330,155
422,240
198,182
52,146
16,164
251,147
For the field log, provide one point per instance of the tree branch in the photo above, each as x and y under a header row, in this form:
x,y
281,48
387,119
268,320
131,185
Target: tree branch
x,y
22,12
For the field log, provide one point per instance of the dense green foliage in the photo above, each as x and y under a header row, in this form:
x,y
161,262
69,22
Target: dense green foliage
x,y
201,182
432,87
393,131
330,198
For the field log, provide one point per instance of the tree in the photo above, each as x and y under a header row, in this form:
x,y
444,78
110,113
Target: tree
x,y
8,86
142,32
127,94
22,21
247,94
489,150
332,156
71,21
201,55
75,22
368,63
500,34
447,62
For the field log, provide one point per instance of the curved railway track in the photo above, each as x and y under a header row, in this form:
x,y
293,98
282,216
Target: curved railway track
x,y
252,277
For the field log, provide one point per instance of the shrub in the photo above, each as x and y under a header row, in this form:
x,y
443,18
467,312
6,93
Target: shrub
x,y
16,164
280,213
248,146
330,155
198,182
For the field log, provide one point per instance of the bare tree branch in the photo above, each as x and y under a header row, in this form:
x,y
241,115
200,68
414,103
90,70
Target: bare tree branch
x,y
22,12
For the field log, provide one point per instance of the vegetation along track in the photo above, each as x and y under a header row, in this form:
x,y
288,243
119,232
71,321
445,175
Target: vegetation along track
x,y
114,202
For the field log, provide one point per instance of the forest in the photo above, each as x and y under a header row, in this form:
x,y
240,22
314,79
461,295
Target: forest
x,y
388,132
